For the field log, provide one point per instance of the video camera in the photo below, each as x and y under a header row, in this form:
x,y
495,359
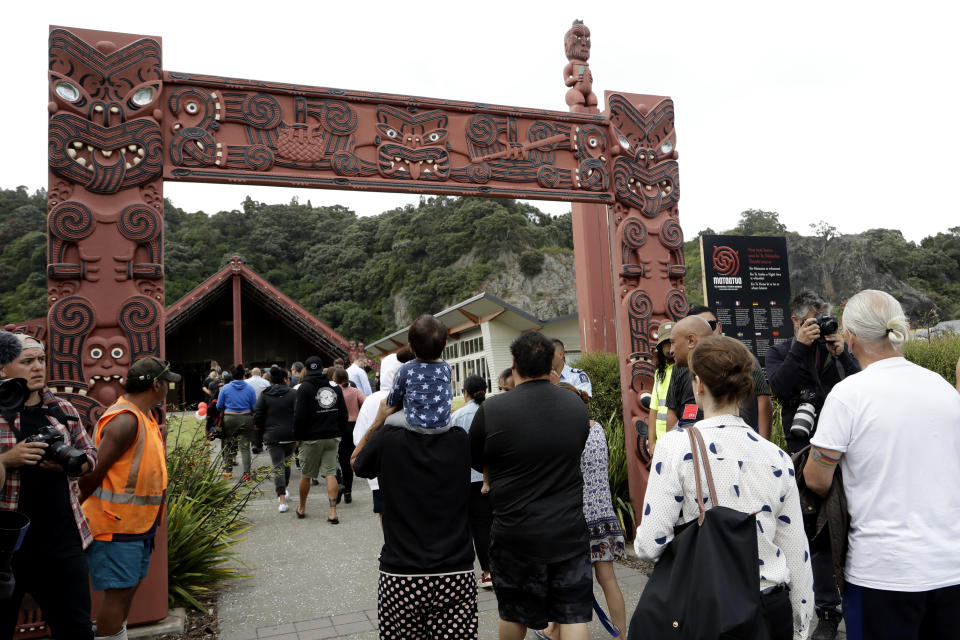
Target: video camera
x,y
13,396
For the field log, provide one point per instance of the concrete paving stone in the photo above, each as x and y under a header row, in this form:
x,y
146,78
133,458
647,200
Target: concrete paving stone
x,y
372,614
319,623
354,627
270,632
239,635
347,618
317,634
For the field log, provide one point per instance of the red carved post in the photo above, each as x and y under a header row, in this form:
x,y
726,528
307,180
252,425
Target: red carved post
x,y
237,312
105,229
591,233
647,256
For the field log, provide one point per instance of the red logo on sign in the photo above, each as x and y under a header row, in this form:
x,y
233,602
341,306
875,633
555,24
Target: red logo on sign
x,y
726,262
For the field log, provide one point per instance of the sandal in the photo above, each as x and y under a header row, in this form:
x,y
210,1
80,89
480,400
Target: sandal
x,y
333,520
301,514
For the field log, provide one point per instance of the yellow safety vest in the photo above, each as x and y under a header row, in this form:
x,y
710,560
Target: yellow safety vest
x,y
131,493
658,398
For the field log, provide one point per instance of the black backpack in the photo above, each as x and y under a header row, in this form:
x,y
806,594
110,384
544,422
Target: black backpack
x,y
706,585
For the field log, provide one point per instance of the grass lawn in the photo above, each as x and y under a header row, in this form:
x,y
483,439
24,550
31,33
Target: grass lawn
x,y
182,428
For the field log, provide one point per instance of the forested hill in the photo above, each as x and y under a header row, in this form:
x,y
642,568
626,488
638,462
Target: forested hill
x,y
367,276
364,276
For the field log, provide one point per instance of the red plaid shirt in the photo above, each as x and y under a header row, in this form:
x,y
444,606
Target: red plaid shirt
x,y
74,435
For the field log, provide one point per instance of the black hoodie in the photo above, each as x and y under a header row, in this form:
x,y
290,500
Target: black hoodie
x,y
320,411
273,414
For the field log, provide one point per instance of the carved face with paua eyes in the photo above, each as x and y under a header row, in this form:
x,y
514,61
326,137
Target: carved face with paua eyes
x,y
102,135
106,359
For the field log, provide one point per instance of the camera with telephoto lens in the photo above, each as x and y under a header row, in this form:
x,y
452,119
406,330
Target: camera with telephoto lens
x,y
58,451
828,325
805,419
13,395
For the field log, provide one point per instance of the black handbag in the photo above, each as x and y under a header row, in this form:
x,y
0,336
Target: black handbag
x,y
706,585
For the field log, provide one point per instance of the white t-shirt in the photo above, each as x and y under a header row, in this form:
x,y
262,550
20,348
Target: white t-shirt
x,y
898,427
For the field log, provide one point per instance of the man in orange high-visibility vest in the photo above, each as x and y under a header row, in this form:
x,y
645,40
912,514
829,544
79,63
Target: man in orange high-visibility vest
x,y
126,492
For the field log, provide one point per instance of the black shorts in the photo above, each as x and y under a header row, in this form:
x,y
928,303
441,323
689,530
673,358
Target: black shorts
x,y
535,593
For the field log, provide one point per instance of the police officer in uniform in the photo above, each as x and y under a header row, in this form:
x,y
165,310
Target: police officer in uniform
x,y
565,373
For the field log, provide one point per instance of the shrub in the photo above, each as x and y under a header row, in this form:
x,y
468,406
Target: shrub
x,y
204,515
938,354
617,473
604,372
531,263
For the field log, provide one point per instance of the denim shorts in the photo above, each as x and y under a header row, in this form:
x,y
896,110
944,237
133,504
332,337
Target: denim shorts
x,y
118,564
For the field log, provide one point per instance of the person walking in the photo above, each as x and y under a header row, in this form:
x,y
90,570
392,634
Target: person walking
x,y
899,466
481,515
751,475
319,421
273,419
353,398
236,402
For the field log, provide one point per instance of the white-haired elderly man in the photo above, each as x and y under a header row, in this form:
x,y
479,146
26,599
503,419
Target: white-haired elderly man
x,y
899,465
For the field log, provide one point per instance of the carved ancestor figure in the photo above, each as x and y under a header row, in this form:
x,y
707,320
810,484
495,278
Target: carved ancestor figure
x,y
576,74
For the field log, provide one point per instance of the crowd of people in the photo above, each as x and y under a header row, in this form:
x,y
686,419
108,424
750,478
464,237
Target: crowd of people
x,y
855,521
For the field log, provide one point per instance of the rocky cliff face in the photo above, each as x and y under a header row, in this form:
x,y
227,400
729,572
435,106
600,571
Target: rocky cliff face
x,y
840,266
551,293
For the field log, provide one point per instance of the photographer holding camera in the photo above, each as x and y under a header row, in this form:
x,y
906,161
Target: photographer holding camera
x,y
802,372
44,447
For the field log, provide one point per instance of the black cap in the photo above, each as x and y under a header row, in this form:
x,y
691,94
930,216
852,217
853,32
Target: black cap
x,y
314,363
152,368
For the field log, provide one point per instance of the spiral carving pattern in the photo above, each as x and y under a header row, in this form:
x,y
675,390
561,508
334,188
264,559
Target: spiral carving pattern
x,y
71,221
639,314
138,314
548,176
258,157
634,233
677,305
262,111
338,118
71,316
346,164
482,130
139,223
671,235
478,173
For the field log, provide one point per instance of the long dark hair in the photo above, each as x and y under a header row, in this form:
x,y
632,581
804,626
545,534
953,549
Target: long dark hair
x,y
661,362
476,387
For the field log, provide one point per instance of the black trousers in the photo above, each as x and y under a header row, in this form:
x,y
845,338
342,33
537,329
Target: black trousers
x,y
58,579
874,614
779,614
344,453
480,516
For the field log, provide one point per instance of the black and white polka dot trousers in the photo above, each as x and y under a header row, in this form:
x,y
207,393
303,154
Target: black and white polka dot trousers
x,y
427,607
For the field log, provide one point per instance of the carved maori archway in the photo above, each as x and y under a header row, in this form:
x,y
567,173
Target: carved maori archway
x,y
120,126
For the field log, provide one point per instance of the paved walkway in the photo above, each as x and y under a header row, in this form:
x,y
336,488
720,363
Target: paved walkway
x,y
312,580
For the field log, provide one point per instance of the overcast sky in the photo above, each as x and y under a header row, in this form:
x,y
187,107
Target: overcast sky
x,y
839,111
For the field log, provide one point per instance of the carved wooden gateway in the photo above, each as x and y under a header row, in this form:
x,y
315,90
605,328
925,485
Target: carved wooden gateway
x,y
120,125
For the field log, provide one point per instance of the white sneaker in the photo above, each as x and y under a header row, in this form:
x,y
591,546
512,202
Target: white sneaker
x,y
284,507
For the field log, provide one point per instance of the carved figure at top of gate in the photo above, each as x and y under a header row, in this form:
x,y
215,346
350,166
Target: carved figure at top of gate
x,y
576,75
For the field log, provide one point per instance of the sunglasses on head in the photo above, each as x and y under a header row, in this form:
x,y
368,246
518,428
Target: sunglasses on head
x,y
713,324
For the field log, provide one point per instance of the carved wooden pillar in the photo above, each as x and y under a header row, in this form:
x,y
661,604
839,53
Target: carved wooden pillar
x,y
105,229
591,233
647,256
